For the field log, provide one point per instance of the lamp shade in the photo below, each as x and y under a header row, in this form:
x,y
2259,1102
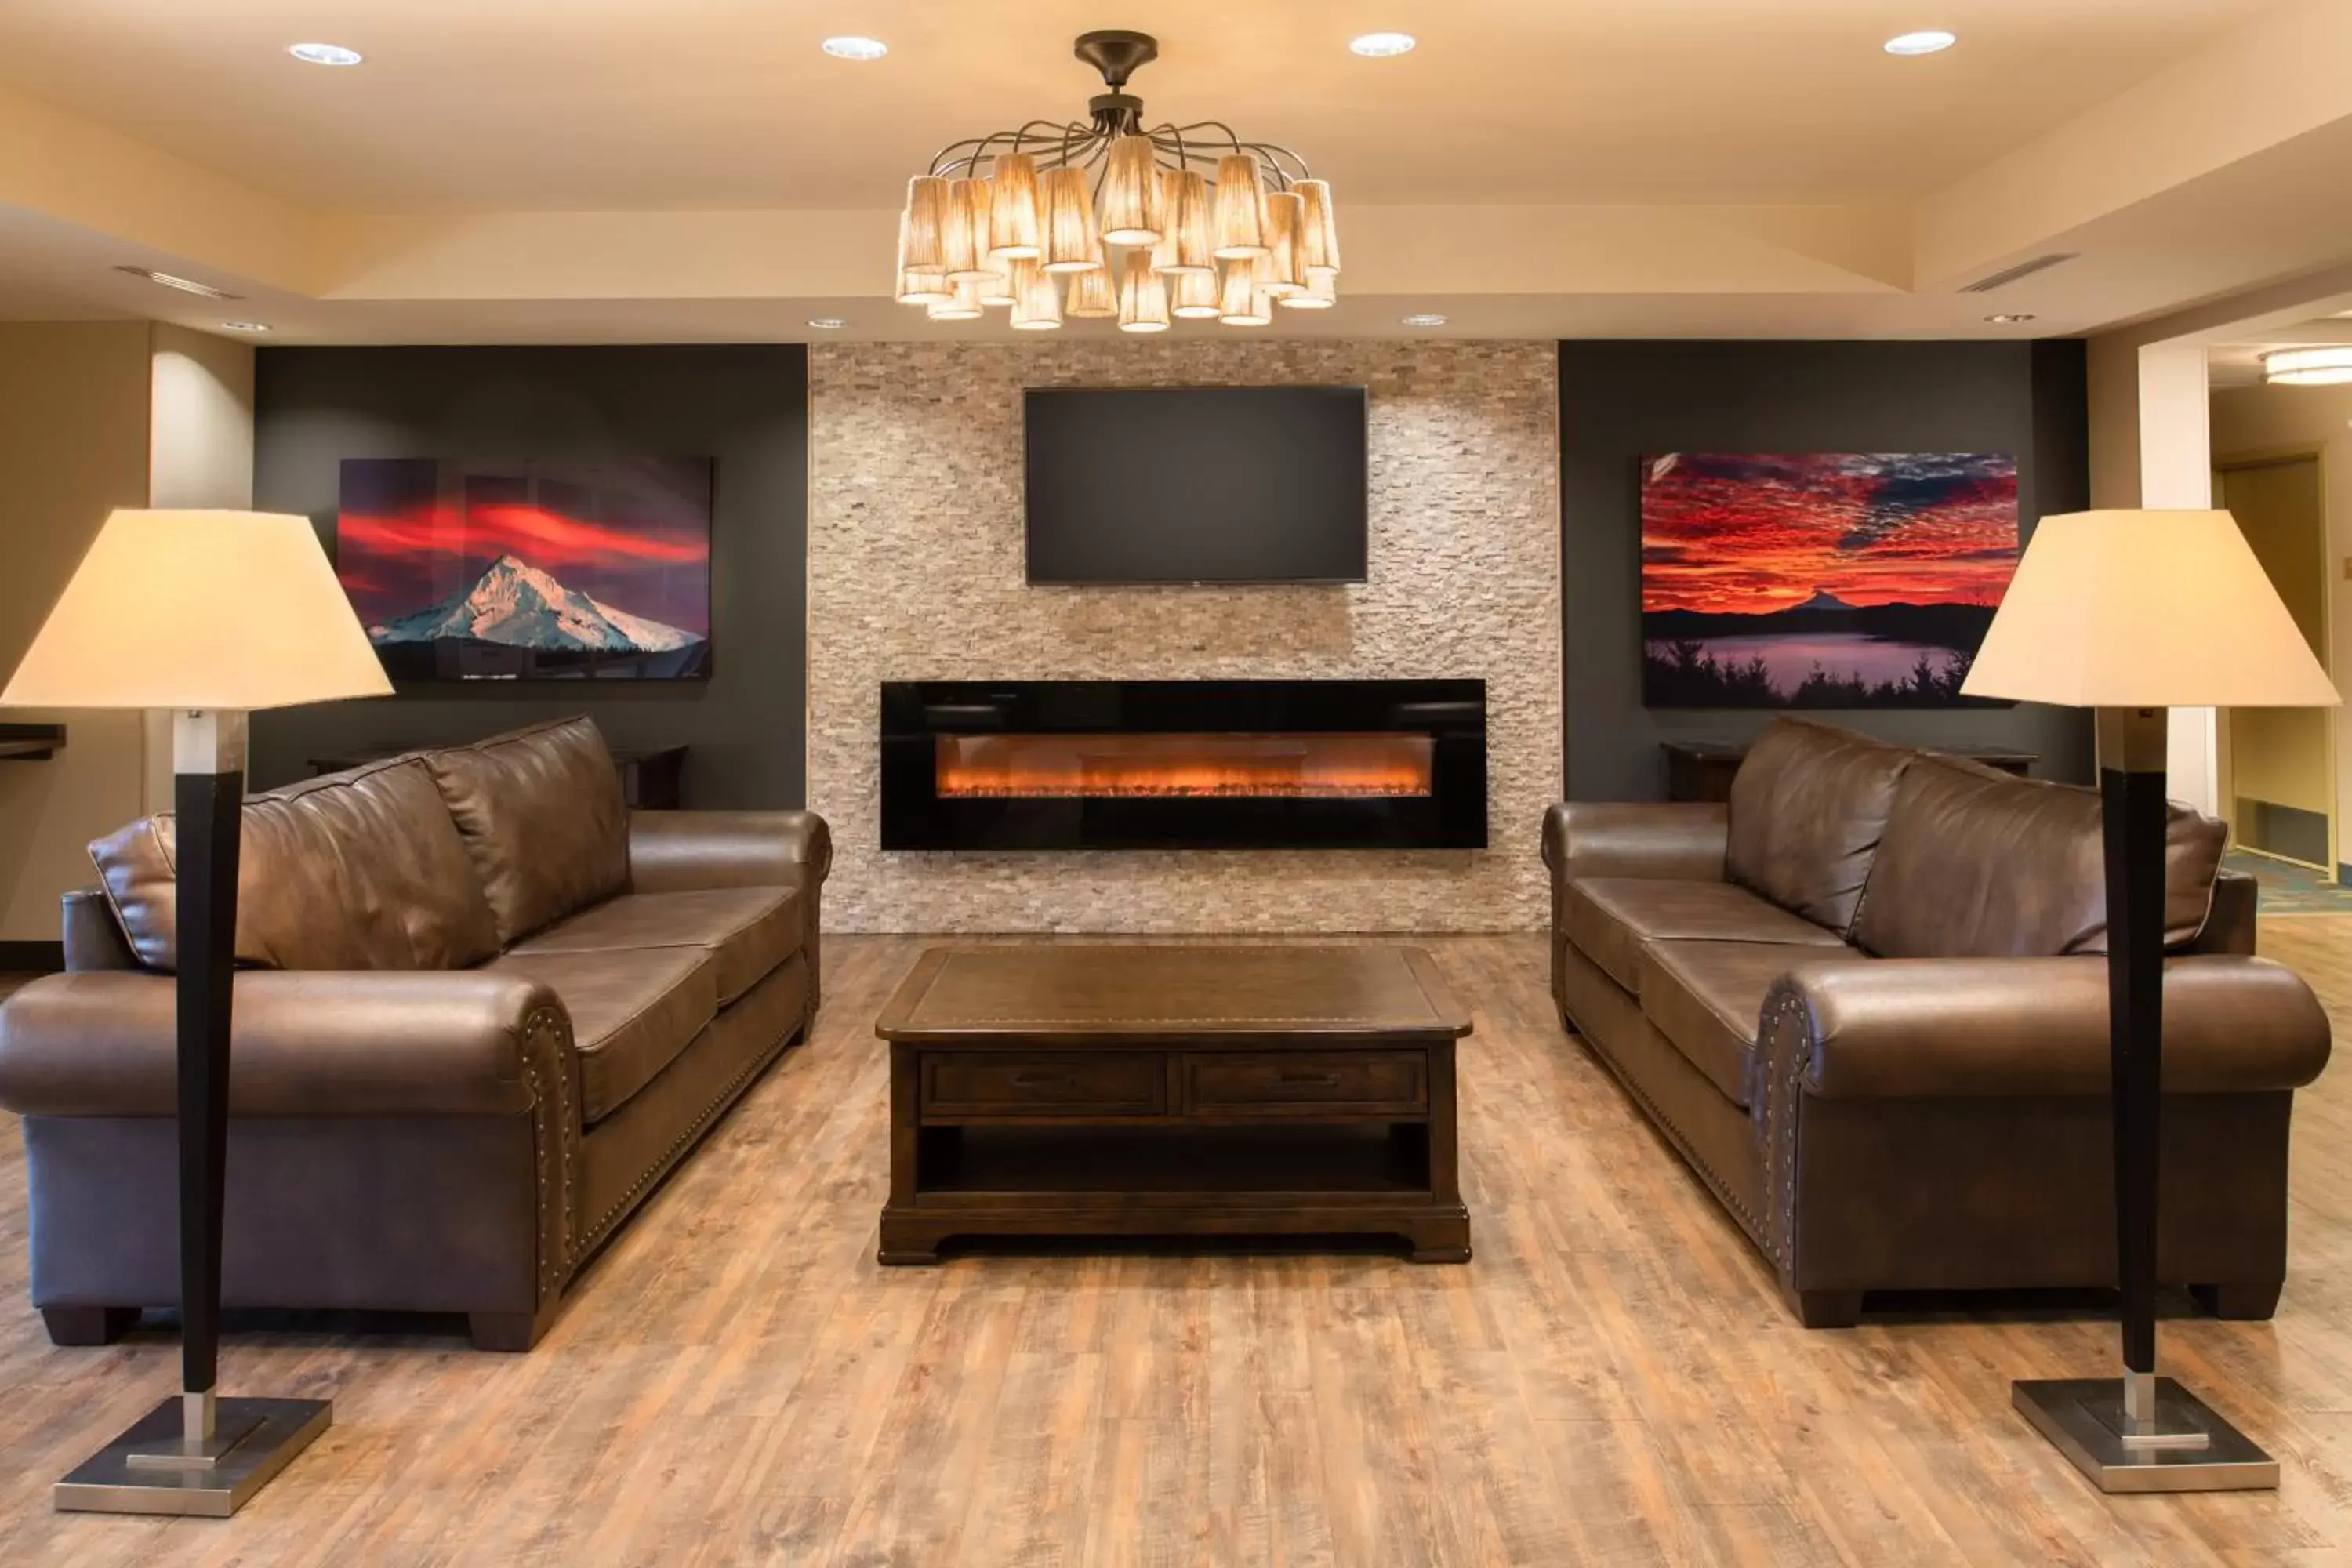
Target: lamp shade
x,y
2145,609
234,610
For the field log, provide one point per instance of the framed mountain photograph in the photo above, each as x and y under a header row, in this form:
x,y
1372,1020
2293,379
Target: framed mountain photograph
x,y
530,571
1821,580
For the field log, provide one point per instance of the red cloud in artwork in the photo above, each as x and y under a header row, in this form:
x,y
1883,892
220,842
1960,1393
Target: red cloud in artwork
x,y
632,534
546,538
1749,534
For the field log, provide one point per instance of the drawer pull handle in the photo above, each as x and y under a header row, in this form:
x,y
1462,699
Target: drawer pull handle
x,y
1044,1080
1307,1079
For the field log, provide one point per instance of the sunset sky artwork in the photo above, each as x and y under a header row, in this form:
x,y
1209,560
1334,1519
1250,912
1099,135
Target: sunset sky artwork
x,y
634,534
1748,533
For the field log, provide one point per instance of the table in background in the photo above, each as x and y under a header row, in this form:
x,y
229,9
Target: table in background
x,y
1701,770
651,780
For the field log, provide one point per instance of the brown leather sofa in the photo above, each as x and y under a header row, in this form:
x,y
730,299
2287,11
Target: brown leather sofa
x,y
1862,1002
482,1010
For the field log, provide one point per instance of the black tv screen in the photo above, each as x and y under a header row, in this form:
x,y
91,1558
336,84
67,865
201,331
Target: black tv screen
x,y
1200,484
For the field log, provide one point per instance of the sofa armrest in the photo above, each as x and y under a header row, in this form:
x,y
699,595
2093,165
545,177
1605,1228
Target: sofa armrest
x,y
675,851
439,1043
1626,838
93,937
1980,1027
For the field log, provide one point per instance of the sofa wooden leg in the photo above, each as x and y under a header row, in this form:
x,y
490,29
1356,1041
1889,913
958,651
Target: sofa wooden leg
x,y
509,1331
89,1325
2241,1300
1826,1308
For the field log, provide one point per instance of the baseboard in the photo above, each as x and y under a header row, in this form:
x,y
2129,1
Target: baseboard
x,y
37,957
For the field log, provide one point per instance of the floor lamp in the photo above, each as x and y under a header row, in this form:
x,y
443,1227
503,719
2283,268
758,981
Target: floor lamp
x,y
208,615
2131,613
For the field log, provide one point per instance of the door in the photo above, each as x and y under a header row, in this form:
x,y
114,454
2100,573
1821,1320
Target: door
x,y
2282,761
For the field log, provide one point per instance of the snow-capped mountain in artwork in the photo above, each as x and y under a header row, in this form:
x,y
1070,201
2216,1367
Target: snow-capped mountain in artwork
x,y
518,605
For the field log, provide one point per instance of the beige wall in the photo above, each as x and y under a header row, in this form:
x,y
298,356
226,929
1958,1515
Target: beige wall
x,y
74,408
916,574
200,454
2254,420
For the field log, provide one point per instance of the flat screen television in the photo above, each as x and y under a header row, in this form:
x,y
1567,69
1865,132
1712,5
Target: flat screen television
x,y
1196,484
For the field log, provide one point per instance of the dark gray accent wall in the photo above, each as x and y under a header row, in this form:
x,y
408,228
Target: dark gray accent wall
x,y
744,405
1621,399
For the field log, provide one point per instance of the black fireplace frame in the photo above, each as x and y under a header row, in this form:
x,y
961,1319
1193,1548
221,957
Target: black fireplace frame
x,y
1451,815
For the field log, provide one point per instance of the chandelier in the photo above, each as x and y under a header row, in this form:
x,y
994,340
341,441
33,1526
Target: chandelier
x,y
1102,217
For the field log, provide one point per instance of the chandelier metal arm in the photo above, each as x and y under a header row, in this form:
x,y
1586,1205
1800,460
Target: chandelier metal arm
x,y
1171,139
1077,145
1055,134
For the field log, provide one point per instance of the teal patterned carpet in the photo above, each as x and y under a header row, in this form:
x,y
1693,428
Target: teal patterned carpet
x,y
2291,889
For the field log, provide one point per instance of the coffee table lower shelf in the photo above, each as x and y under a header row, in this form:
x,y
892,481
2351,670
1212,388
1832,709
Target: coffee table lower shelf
x,y
1145,1181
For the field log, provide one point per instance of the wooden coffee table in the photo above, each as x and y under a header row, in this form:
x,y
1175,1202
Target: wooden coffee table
x,y
1103,1090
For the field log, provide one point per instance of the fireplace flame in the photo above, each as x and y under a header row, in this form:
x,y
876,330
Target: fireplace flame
x,y
1184,766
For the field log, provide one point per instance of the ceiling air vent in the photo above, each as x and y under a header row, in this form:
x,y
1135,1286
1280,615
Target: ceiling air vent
x,y
2010,275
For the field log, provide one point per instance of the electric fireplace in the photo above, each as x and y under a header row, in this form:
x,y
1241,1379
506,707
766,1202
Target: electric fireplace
x,y
1156,764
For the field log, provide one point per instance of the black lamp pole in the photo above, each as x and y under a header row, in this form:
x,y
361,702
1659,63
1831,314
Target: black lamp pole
x,y
200,1454
2140,1433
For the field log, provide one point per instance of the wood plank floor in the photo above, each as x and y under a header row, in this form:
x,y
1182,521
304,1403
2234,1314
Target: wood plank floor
x,y
1613,1381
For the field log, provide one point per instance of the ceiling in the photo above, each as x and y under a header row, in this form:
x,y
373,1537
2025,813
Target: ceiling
x,y
552,104
635,170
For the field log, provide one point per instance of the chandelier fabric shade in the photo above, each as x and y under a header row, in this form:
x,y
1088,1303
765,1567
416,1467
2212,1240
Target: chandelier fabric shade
x,y
1286,216
1242,299
1319,240
1241,208
1073,243
999,289
1192,211
1037,304
962,304
917,287
1014,230
1142,300
1132,201
965,237
1109,217
926,225
1193,297
1320,294
1090,294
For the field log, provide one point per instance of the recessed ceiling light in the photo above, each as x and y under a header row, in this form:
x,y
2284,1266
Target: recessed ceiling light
x,y
2308,367
1424,320
1382,46
2009,318
325,54
244,326
1927,41
856,48
185,284
829,324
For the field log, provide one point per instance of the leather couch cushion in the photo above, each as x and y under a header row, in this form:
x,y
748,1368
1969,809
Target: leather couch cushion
x,y
748,932
1808,807
1610,919
1979,864
356,870
631,1012
1707,998
541,816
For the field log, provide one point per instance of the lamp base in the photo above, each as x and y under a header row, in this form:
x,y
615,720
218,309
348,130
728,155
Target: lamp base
x,y
149,1469
2189,1447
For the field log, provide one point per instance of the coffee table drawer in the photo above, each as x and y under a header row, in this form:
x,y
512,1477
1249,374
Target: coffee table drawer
x,y
1306,1083
1033,1083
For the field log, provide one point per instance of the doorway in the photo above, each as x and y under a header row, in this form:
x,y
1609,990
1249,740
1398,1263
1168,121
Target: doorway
x,y
2279,767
